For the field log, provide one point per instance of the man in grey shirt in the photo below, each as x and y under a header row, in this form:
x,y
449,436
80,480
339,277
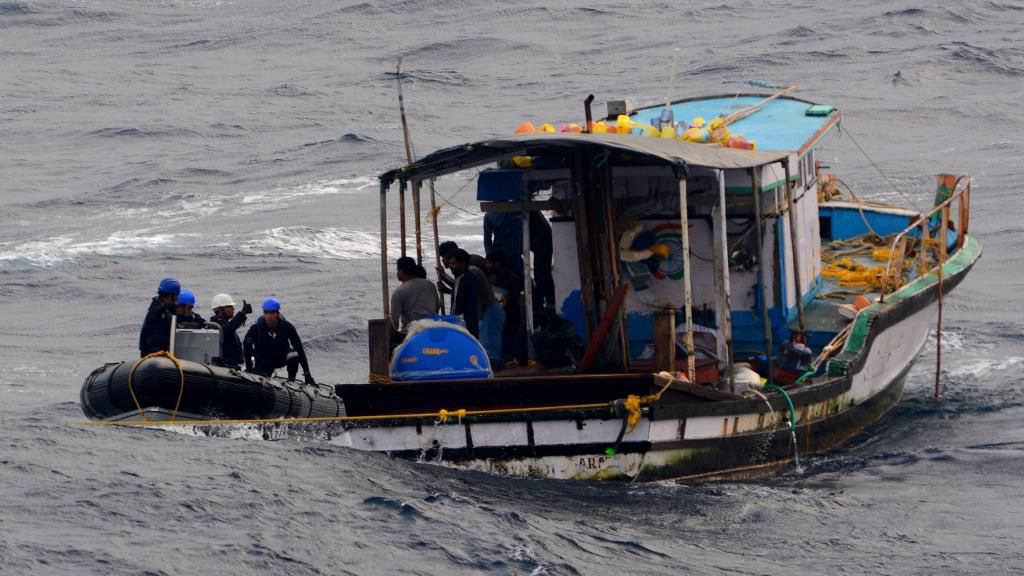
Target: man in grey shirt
x,y
416,298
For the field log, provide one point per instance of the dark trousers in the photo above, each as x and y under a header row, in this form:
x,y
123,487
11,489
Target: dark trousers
x,y
291,361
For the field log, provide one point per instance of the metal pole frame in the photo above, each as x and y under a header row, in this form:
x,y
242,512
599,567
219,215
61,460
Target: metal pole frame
x,y
755,187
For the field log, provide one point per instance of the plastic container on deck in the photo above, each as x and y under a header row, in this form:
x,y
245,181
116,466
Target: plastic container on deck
x,y
439,350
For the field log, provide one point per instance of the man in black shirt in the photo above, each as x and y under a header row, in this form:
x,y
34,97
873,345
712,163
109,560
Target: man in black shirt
x,y
275,343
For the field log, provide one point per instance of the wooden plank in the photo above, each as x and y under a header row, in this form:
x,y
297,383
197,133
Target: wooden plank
x,y
380,331
665,340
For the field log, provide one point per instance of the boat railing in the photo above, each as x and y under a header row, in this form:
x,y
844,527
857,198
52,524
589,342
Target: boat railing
x,y
894,266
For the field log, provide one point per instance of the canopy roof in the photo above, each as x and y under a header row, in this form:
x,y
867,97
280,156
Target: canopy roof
x,y
678,154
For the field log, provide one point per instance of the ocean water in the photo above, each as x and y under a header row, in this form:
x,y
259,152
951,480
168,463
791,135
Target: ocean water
x,y
235,146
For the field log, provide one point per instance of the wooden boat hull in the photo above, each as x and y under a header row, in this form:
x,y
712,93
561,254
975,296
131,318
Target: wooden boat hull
x,y
694,440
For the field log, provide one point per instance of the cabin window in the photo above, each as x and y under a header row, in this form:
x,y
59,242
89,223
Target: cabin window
x,y
806,176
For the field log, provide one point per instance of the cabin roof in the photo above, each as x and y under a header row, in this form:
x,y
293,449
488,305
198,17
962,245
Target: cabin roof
x,y
781,125
676,153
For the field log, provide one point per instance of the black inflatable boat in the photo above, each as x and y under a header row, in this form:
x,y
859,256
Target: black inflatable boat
x,y
159,391
208,392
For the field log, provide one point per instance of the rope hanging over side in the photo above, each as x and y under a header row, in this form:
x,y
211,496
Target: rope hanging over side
x,y
181,382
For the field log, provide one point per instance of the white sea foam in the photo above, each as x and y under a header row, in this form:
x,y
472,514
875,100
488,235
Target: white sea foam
x,y
984,367
254,202
332,243
63,249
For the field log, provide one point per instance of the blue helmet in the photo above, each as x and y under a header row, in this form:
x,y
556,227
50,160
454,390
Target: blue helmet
x,y
168,286
187,298
271,305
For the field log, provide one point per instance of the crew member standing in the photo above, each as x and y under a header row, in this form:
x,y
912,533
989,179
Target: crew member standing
x,y
156,328
473,299
224,316
274,343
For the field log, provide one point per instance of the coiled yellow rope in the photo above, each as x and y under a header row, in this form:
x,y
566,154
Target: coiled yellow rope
x,y
634,404
181,383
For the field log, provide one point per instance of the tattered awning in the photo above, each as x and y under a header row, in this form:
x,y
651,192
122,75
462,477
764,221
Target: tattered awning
x,y
677,154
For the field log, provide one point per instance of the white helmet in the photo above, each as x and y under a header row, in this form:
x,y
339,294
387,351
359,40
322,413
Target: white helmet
x,y
221,300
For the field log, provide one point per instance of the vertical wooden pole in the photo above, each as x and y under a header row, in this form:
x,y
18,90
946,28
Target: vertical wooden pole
x,y
755,186
524,215
384,247
684,221
723,289
943,233
794,241
416,187
938,341
923,251
434,213
607,187
401,212
581,218
943,253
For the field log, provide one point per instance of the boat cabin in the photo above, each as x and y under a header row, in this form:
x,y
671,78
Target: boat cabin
x,y
641,294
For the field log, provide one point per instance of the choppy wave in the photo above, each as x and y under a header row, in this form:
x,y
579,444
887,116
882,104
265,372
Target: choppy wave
x,y
333,243
256,201
64,249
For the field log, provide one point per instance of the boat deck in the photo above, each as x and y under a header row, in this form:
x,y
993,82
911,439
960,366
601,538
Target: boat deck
x,y
780,125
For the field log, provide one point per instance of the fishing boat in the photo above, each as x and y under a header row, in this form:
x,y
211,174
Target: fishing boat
x,y
720,303
783,321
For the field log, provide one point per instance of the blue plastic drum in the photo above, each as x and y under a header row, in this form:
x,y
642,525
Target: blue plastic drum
x,y
440,352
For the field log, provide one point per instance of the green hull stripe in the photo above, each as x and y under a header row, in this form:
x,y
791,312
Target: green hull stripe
x,y
965,257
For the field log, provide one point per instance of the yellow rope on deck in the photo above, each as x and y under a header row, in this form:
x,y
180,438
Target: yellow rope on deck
x,y
846,272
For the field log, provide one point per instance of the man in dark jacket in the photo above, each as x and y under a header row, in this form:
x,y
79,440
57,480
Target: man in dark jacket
x,y
473,299
224,316
272,340
156,328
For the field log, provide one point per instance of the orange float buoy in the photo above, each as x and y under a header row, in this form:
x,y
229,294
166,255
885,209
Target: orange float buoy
x,y
526,128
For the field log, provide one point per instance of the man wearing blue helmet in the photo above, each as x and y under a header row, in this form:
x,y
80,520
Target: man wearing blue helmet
x,y
186,302
274,343
156,328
